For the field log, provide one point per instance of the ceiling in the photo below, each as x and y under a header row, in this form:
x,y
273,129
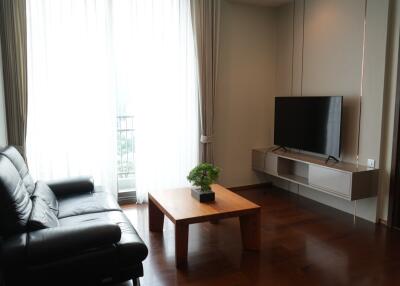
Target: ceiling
x,y
271,3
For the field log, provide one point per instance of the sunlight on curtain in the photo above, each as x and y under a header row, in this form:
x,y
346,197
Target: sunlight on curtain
x,y
82,57
71,113
155,52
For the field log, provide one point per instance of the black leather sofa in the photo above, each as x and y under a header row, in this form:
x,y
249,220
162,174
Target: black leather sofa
x,y
62,233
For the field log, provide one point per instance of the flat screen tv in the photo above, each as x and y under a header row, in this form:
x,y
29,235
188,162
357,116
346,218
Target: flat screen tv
x,y
309,123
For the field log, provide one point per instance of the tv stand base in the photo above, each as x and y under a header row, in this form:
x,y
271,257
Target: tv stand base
x,y
278,148
331,158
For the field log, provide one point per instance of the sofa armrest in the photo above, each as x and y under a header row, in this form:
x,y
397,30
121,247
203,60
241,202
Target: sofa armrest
x,y
72,186
13,250
50,244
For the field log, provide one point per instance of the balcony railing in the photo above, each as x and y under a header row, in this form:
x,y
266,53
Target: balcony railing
x,y
126,154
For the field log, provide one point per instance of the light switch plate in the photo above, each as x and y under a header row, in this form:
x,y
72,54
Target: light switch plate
x,y
371,163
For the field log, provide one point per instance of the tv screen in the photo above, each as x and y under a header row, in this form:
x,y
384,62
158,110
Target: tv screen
x,y
309,123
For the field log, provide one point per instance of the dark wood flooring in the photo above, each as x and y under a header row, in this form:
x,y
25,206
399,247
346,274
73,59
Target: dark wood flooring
x,y
303,243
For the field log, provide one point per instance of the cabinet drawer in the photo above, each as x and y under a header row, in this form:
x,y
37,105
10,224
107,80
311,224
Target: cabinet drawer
x,y
330,180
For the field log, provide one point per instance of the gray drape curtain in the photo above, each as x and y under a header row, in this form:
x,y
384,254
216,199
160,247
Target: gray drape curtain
x,y
206,24
13,33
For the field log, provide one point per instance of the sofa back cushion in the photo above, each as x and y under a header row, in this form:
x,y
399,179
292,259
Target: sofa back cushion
x,y
15,203
43,191
15,157
41,216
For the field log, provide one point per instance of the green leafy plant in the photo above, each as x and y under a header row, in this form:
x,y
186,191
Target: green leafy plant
x,y
203,176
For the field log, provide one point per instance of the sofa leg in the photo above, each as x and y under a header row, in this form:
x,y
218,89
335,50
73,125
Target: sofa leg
x,y
136,282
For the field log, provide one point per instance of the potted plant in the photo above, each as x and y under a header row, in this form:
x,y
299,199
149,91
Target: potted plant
x,y
201,178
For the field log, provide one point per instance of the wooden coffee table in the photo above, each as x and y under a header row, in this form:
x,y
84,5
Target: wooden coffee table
x,y
179,206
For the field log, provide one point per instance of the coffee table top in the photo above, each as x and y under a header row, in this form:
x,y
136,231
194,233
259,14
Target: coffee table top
x,y
179,205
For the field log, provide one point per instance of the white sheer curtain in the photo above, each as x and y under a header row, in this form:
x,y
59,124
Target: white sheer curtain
x,y
71,105
82,56
155,49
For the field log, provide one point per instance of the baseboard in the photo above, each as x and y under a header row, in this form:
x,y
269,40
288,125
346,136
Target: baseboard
x,y
251,187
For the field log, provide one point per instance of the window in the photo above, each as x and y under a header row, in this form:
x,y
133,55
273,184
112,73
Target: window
x,y
112,93
126,157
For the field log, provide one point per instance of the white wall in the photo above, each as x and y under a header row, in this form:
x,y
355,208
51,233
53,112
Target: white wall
x,y
3,131
245,90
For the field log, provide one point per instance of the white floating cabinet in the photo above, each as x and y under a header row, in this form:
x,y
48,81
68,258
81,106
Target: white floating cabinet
x,y
343,180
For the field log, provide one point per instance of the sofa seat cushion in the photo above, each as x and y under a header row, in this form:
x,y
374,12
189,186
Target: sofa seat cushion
x,y
86,203
131,249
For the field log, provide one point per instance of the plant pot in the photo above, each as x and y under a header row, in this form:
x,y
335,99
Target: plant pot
x,y
203,196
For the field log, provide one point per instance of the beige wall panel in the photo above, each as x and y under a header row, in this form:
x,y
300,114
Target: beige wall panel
x,y
245,92
298,47
256,65
333,48
333,45
373,81
284,50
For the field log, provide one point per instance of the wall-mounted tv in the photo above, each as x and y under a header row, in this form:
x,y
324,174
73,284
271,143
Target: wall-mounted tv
x,y
309,123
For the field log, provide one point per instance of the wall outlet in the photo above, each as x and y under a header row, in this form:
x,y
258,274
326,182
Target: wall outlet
x,y
371,163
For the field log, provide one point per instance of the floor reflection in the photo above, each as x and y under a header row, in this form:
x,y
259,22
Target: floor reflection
x,y
303,243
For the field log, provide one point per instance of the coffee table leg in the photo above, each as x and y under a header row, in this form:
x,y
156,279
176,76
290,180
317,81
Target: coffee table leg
x,y
250,226
156,217
181,244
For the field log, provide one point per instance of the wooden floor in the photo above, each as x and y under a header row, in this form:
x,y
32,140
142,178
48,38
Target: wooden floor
x,y
303,243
